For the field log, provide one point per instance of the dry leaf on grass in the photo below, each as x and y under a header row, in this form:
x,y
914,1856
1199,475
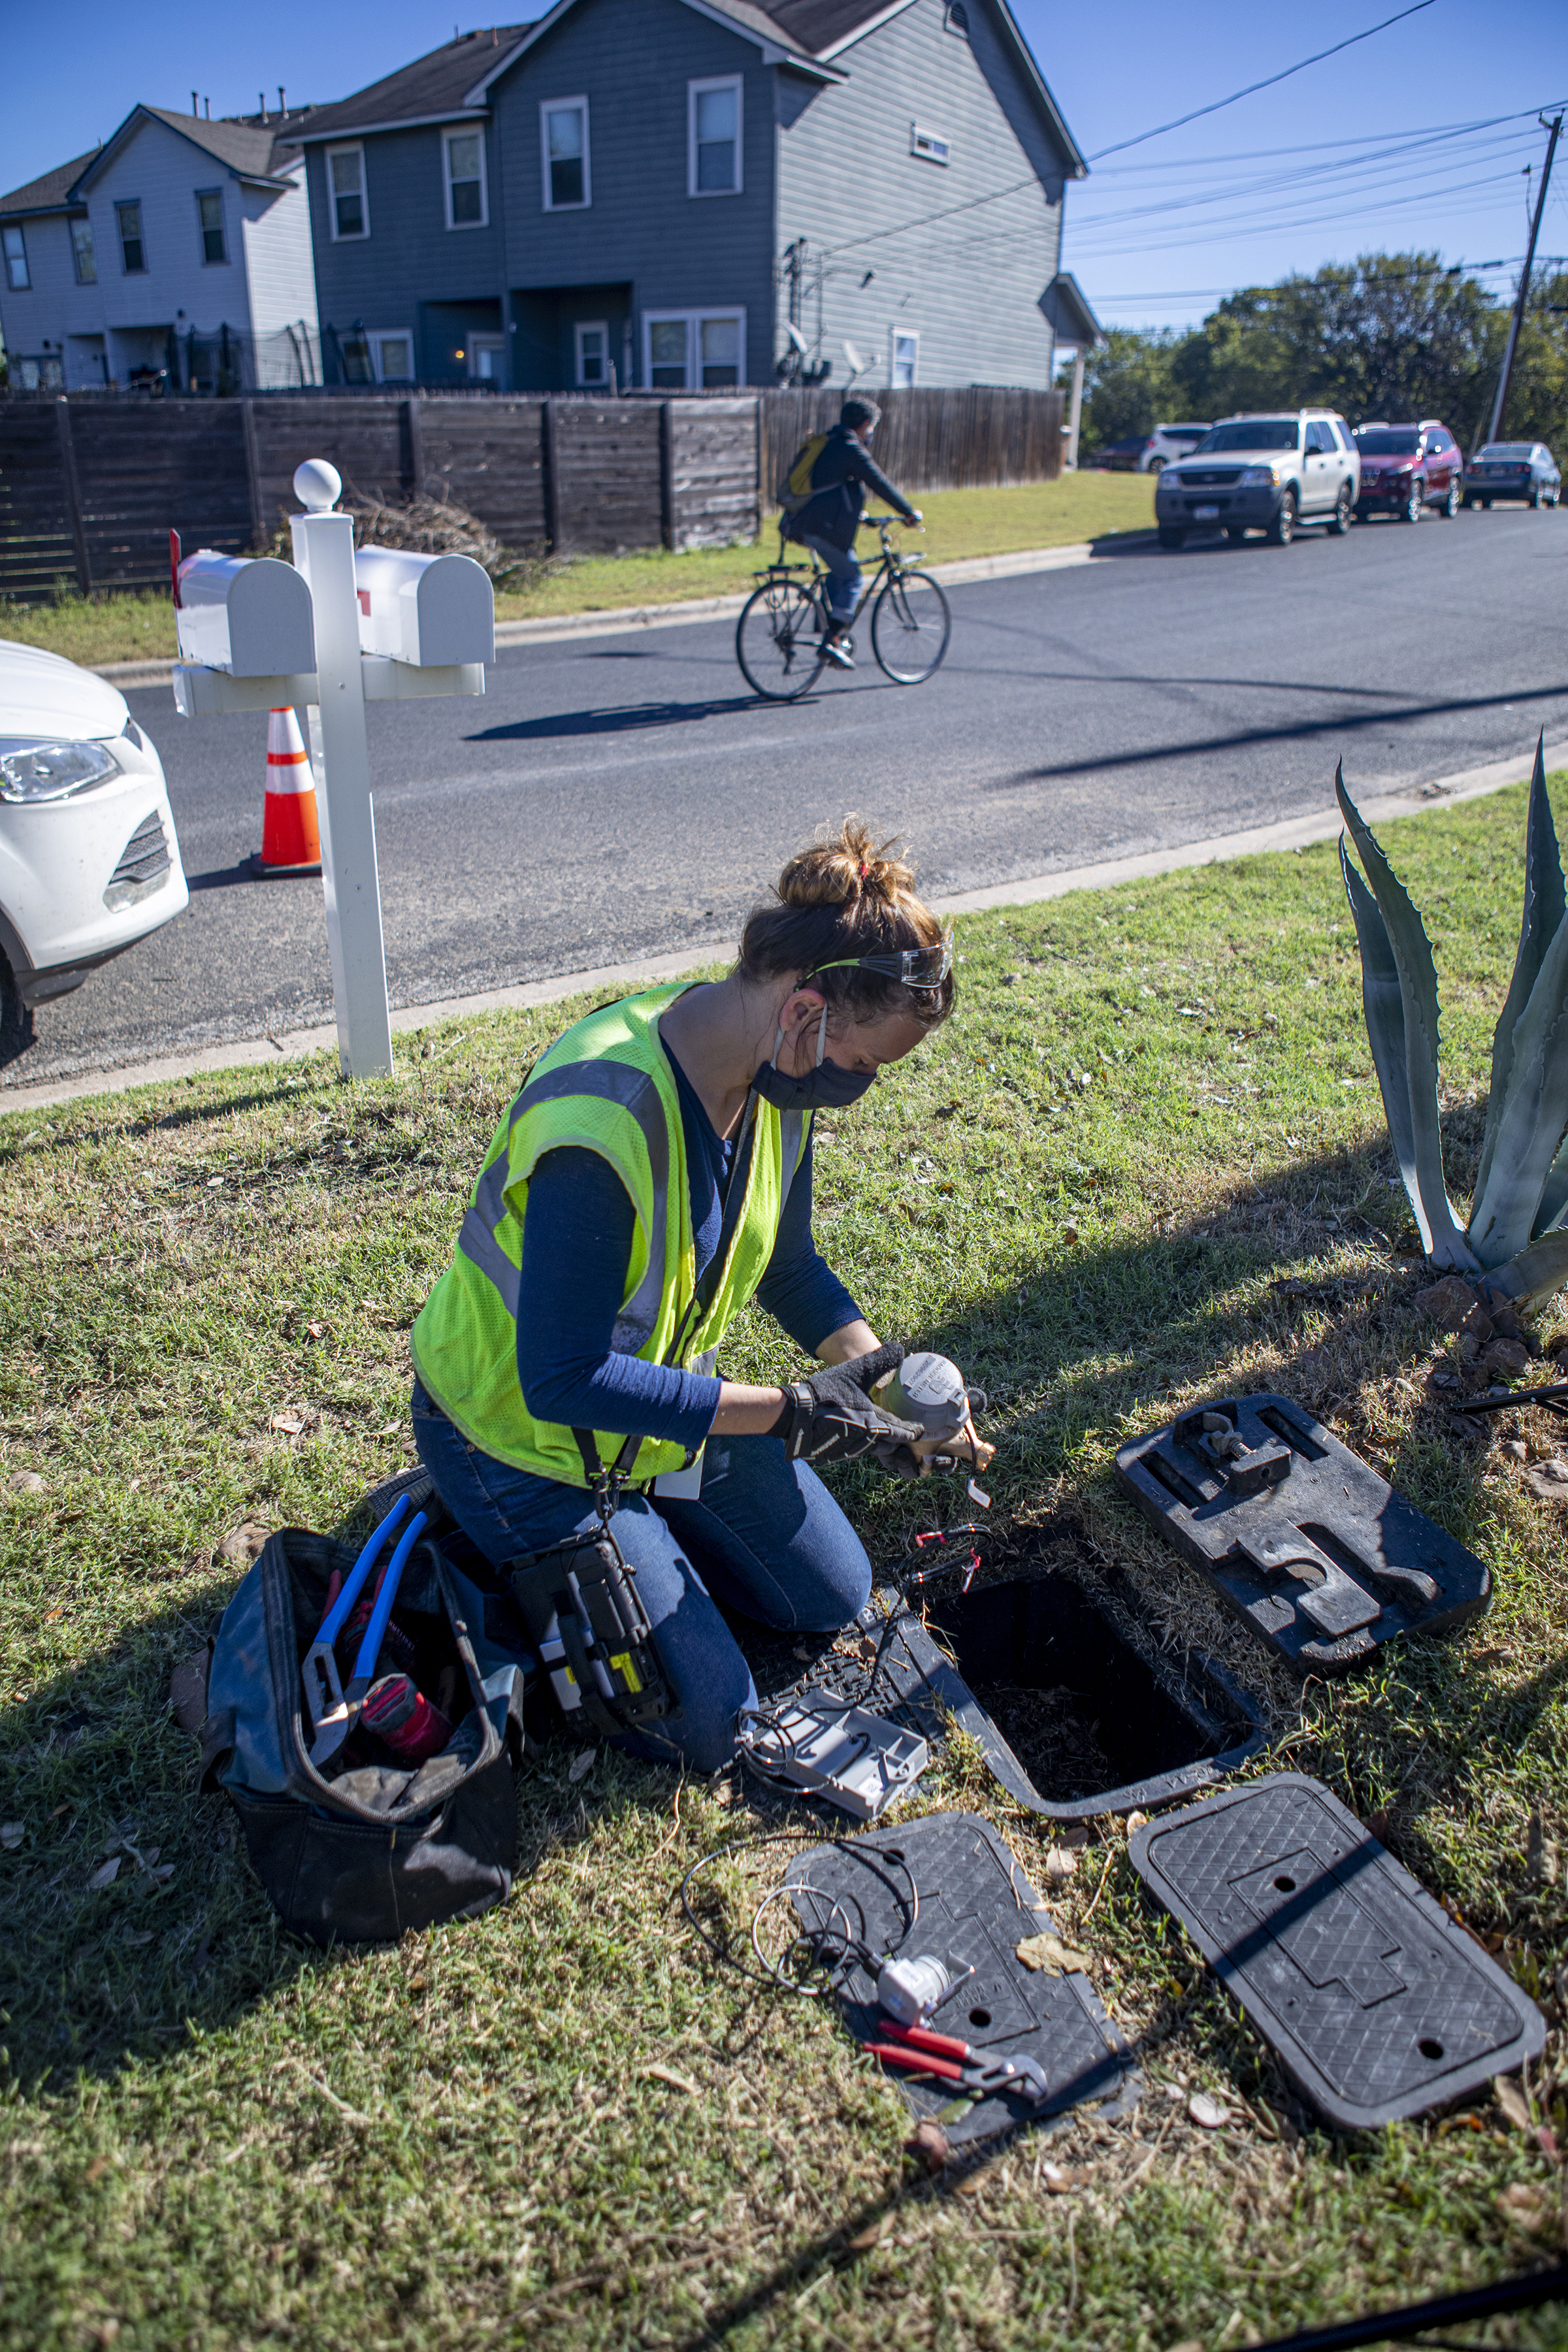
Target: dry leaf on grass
x,y
12,1833
1512,2102
1526,2206
582,1762
676,2082
138,1936
25,1482
986,2176
1206,2112
243,1544
1135,1822
864,2240
105,1875
1060,1863
188,1691
1048,1951
1549,1479
928,2146
1061,2180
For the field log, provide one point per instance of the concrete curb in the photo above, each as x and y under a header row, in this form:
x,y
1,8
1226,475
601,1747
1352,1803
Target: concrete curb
x,y
1292,832
552,627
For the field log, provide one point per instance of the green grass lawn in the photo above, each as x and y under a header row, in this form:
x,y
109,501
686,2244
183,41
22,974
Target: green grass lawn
x,y
959,523
1154,1107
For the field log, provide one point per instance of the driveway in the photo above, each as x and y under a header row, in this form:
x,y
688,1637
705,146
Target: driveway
x,y
624,795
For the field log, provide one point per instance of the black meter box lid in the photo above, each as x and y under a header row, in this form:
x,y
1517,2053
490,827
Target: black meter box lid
x,y
1376,2003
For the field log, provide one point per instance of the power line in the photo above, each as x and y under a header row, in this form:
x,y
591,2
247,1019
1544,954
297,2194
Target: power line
x,y
1253,87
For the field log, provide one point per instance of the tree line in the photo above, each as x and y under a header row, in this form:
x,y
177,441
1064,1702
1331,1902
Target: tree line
x,y
1391,335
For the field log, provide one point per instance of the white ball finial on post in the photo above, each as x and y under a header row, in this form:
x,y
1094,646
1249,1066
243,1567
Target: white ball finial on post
x,y
317,486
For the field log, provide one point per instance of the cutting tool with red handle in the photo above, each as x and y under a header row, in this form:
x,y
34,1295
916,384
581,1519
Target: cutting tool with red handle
x,y
922,2052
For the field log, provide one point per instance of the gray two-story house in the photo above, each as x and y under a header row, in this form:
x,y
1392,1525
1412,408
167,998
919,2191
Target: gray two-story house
x,y
687,195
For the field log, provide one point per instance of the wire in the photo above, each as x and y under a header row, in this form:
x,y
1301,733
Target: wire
x,y
1253,87
772,1977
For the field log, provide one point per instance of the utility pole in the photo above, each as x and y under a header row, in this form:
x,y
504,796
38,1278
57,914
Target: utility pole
x,y
1517,321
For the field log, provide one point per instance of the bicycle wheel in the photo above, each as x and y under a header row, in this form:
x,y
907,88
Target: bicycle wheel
x,y
910,625
778,641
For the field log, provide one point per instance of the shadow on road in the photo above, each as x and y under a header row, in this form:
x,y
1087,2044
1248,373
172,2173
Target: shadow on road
x,y
626,719
1303,731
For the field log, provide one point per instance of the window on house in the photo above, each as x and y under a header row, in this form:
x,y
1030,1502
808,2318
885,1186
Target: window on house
x,y
132,252
593,340
393,357
466,194
713,121
903,357
345,187
16,274
209,212
563,137
692,351
82,254
930,146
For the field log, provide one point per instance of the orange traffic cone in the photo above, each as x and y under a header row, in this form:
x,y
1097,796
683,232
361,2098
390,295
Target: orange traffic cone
x,y
290,841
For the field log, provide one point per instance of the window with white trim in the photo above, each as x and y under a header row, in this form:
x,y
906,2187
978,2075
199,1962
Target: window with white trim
x,y
348,212
392,354
930,146
563,153
19,277
463,163
591,337
132,249
903,358
694,350
209,220
713,137
82,254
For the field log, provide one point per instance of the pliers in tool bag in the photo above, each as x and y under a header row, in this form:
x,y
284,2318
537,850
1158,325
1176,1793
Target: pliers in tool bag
x,y
922,2052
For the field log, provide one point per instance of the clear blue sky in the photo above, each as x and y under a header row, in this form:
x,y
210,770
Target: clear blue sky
x,y
1153,236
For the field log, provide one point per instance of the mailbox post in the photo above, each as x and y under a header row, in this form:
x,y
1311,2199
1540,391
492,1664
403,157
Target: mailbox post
x,y
328,634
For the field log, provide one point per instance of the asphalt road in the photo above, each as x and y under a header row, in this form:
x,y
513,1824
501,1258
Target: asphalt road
x,y
620,796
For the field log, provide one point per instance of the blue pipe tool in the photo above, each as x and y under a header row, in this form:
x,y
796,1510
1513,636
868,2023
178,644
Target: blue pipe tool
x,y
323,1687
336,1726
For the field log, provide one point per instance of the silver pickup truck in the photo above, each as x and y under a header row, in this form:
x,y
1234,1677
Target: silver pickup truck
x,y
1267,473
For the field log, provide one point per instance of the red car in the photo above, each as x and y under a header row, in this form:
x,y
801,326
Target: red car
x,y
1406,467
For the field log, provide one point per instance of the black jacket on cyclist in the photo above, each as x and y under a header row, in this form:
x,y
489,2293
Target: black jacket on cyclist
x,y
839,480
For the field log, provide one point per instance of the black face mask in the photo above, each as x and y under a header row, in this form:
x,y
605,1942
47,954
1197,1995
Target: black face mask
x,y
827,1088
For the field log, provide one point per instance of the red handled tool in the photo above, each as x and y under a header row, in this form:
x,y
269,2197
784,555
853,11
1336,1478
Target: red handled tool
x,y
925,2052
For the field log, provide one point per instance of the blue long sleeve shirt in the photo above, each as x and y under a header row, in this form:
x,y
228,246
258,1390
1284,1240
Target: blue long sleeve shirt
x,y
577,1235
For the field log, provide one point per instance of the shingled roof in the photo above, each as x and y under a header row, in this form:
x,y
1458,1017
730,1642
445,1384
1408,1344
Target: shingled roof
x,y
434,88
51,193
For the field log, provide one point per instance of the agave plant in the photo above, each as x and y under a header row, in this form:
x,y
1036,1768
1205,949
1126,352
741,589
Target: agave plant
x,y
1517,1237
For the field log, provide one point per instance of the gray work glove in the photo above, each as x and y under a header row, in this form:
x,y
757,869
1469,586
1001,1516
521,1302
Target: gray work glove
x,y
831,1418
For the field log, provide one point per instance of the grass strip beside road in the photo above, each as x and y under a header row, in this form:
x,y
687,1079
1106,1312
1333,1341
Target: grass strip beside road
x,y
959,524
1145,1165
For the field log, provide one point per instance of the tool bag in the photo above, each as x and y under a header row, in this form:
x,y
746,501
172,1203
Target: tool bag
x,y
379,1848
795,491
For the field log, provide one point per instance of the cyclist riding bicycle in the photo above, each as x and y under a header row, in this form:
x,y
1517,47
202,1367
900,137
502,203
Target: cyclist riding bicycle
x,y
843,473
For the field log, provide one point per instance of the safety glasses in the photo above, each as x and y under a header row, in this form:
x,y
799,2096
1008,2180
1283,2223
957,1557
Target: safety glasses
x,y
916,967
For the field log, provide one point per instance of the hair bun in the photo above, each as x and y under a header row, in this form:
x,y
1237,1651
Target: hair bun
x,y
843,866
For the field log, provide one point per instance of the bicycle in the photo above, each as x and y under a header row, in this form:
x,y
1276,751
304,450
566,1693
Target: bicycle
x,y
779,638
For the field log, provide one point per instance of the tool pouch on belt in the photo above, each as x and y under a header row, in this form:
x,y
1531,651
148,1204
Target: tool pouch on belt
x,y
579,1602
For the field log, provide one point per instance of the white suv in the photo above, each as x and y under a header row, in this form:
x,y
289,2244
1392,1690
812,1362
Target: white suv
x,y
1264,473
89,860
1168,441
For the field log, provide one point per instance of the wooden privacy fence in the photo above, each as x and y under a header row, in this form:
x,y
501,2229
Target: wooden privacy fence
x,y
90,488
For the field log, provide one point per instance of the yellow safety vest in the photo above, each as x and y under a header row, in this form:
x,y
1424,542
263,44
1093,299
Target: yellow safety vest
x,y
606,1086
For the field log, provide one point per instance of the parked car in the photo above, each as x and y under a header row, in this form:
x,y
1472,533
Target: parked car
x,y
1513,470
89,860
1168,441
1262,473
1119,456
1406,467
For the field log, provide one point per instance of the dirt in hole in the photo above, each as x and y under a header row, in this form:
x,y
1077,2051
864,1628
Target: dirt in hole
x,y
1054,1735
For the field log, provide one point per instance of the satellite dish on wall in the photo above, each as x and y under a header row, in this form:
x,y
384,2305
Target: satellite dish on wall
x,y
797,338
854,358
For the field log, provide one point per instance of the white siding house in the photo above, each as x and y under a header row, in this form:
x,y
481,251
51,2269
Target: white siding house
x,y
177,255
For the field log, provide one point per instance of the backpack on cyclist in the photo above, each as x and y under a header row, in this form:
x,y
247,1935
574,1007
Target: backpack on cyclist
x,y
795,492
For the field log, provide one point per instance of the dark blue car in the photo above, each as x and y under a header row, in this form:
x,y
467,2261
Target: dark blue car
x,y
1513,470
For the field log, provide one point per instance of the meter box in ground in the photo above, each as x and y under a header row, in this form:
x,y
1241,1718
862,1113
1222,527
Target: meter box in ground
x,y
431,611
251,616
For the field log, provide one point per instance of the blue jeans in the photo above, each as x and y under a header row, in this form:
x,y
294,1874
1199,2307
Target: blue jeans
x,y
842,576
772,1541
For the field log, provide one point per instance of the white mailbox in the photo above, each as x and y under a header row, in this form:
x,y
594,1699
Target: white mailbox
x,y
433,611
250,617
